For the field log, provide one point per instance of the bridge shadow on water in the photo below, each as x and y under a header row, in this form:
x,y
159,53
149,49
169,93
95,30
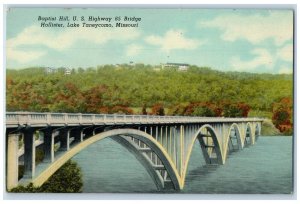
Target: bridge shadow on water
x,y
199,173
202,171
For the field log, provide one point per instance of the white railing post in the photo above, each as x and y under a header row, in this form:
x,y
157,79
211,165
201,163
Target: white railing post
x,y
65,118
48,118
80,118
93,118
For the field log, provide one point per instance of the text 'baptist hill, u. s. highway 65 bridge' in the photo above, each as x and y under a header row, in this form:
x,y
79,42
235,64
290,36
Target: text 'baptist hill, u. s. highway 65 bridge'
x,y
163,144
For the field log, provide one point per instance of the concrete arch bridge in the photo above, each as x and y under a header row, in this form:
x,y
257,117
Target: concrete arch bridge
x,y
163,144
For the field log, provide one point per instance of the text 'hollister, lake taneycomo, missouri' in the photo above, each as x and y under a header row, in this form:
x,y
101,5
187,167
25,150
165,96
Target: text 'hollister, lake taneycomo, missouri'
x,y
88,21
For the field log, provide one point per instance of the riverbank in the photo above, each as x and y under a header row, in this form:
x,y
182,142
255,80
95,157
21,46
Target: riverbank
x,y
269,129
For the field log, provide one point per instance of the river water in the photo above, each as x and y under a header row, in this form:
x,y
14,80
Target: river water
x,y
265,168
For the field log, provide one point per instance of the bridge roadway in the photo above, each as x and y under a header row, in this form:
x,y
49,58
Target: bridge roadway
x,y
162,144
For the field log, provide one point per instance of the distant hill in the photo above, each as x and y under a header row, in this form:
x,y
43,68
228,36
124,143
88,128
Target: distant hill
x,y
142,85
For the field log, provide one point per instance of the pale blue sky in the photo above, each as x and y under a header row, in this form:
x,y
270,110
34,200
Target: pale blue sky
x,y
228,40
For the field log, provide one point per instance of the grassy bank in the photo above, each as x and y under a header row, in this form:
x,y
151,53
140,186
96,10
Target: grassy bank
x,y
268,128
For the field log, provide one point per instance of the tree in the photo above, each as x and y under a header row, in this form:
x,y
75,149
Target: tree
x,y
203,111
68,99
244,109
231,110
31,89
179,109
68,179
282,115
144,110
122,110
158,109
94,99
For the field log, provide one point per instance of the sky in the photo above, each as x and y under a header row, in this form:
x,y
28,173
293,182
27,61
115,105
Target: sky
x,y
245,40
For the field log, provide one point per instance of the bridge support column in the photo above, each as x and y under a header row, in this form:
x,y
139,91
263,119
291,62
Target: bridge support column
x,y
65,140
160,135
12,164
175,146
48,146
181,149
29,154
78,135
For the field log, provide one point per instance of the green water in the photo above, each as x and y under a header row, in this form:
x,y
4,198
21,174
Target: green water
x,y
265,168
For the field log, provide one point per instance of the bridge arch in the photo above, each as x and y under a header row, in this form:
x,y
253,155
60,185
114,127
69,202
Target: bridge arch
x,y
248,139
208,129
235,145
137,134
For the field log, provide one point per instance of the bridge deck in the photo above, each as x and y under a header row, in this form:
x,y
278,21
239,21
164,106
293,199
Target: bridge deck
x,y
16,119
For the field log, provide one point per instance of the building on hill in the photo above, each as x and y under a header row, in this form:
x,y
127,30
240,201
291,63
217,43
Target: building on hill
x,y
50,70
68,71
180,66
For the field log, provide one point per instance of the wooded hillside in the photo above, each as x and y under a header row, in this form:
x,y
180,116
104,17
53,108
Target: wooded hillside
x,y
126,89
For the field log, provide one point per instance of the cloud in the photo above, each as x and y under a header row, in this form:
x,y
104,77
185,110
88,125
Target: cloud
x,y
133,50
277,25
285,70
22,56
262,58
286,53
61,40
172,40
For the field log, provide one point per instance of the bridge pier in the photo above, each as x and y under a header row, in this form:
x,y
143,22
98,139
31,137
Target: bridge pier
x,y
29,153
12,164
48,146
78,135
65,140
178,148
181,150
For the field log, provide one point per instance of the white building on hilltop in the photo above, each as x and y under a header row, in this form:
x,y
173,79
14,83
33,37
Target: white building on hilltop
x,y
68,71
50,70
180,66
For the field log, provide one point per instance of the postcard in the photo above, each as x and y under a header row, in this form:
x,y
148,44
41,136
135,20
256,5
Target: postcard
x,y
149,100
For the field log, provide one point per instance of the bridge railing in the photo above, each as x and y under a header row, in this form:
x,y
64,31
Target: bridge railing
x,y
23,118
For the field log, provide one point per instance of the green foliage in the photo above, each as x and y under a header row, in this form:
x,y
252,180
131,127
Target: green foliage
x,y
26,189
282,115
260,114
268,129
158,109
231,110
68,179
101,89
144,110
203,111
178,110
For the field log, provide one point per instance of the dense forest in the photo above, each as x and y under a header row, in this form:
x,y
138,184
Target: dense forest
x,y
145,89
